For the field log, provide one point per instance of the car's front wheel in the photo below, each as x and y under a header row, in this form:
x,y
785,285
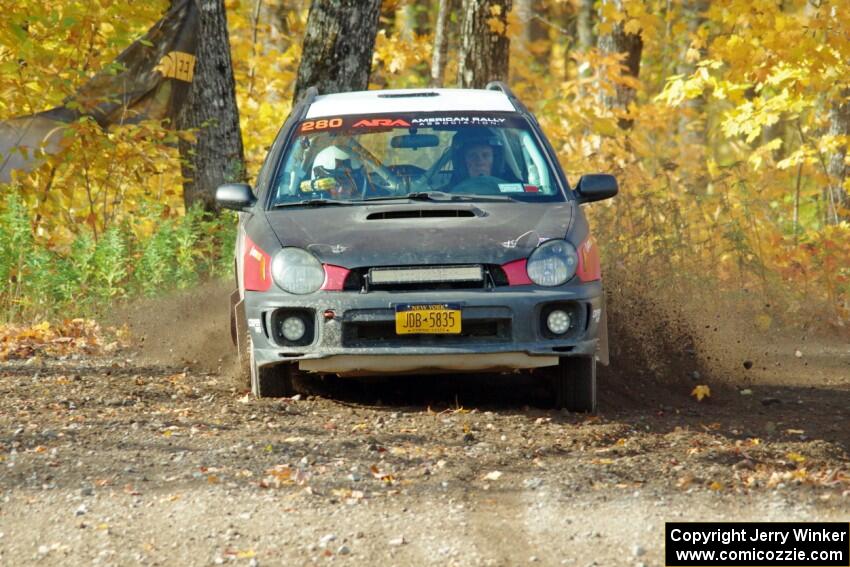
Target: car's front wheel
x,y
272,381
574,383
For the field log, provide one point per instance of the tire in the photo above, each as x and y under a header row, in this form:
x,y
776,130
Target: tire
x,y
272,381
574,383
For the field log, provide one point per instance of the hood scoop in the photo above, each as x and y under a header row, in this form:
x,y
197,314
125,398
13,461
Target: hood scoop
x,y
420,214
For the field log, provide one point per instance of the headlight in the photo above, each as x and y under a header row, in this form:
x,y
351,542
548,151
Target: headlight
x,y
552,263
297,271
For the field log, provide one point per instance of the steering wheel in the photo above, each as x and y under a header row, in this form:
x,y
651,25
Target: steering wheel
x,y
393,180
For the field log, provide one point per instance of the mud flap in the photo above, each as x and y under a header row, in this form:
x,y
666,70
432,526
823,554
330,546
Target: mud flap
x,y
234,324
602,345
239,330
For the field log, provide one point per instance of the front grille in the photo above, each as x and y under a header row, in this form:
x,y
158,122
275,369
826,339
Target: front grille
x,y
492,276
373,328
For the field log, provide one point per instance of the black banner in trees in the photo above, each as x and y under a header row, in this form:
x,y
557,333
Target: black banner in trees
x,y
152,82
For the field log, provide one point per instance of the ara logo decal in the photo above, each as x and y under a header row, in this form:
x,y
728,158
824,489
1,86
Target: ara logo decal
x,y
381,122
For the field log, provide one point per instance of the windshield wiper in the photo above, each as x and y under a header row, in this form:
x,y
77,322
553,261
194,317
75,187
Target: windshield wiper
x,y
441,196
474,197
417,196
313,203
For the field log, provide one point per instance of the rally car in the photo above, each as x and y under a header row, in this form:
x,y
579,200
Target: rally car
x,y
414,232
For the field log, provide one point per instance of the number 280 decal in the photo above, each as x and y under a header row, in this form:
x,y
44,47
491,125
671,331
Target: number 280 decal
x,y
321,124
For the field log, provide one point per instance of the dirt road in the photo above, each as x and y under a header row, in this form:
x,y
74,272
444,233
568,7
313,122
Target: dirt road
x,y
113,461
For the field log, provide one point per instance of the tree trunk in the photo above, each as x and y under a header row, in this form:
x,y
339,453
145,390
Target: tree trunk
x,y
692,123
532,14
415,23
781,127
441,43
338,45
631,46
568,15
586,16
485,46
836,195
539,32
585,20
216,156
417,18
525,14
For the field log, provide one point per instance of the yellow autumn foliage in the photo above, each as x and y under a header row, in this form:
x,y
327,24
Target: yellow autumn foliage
x,y
722,174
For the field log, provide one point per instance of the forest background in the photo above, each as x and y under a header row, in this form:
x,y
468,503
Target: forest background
x,y
725,121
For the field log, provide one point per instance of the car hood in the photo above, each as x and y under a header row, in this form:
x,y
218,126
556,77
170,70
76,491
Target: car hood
x,y
421,233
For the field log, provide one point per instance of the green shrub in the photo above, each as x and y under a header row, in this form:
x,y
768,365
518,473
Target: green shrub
x,y
15,245
36,281
156,263
78,269
186,235
110,265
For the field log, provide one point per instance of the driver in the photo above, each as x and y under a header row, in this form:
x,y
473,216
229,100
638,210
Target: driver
x,y
338,172
479,160
478,152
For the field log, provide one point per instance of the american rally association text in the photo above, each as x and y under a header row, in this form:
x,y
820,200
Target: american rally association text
x,y
726,536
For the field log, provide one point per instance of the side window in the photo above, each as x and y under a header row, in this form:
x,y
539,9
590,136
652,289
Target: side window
x,y
267,167
293,171
263,175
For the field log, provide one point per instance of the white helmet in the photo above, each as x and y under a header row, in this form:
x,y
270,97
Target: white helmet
x,y
332,158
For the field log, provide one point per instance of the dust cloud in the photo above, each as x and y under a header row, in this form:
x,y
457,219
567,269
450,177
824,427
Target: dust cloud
x,y
186,328
663,343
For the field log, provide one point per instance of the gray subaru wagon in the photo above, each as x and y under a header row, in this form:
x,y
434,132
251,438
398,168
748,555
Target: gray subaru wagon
x,y
415,232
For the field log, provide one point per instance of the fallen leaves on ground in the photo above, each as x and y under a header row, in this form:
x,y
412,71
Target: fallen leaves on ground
x,y
277,476
380,475
701,391
72,336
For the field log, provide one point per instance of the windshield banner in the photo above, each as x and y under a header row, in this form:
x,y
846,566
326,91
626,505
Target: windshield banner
x,y
437,121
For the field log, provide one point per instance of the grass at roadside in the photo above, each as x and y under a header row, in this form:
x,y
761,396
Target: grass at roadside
x,y
148,254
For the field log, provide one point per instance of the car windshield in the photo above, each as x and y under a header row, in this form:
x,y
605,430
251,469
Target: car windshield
x,y
427,156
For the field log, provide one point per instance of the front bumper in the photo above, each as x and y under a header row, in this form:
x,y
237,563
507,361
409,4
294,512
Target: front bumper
x,y
505,321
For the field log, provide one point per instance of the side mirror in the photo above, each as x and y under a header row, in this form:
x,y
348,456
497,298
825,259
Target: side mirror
x,y
596,187
236,196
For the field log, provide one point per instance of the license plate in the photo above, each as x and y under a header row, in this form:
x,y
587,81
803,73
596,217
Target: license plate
x,y
430,319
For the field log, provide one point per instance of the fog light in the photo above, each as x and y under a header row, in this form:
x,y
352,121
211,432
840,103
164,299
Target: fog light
x,y
293,328
558,322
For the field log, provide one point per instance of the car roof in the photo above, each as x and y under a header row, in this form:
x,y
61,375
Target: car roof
x,y
409,100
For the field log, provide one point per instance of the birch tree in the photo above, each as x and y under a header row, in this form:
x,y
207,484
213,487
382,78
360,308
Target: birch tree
x,y
630,47
485,46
